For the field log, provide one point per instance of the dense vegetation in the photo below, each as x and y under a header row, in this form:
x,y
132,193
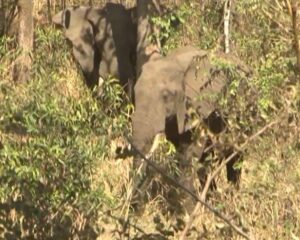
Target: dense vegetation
x,y
59,175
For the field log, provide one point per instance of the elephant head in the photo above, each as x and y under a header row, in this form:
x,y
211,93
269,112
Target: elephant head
x,y
168,87
160,96
80,32
103,40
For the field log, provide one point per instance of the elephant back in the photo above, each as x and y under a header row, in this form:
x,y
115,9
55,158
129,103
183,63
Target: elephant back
x,y
103,40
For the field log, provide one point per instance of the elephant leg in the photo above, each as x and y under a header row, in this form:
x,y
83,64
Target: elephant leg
x,y
140,183
187,150
233,172
182,143
205,153
171,131
217,124
141,174
187,153
139,164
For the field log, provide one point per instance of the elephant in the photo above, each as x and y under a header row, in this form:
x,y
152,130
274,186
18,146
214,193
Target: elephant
x,y
103,40
168,88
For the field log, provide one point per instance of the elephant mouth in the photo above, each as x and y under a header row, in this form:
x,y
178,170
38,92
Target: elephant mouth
x,y
128,150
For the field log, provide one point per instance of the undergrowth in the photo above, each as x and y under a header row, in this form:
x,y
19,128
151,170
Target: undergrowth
x,y
59,175
53,136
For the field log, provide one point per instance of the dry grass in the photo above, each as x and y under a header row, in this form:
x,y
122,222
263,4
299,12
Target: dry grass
x,y
70,83
267,205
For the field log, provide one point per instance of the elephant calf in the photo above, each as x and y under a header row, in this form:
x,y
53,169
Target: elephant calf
x,y
103,40
166,90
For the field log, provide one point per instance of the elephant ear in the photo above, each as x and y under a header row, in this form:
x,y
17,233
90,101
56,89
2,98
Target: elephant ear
x,y
64,18
79,30
84,46
74,21
183,57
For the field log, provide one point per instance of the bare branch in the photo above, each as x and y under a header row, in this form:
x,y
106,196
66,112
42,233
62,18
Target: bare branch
x,y
215,173
157,6
289,7
270,16
227,6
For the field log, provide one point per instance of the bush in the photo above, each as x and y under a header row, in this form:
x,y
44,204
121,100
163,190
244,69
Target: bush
x,y
59,179
53,137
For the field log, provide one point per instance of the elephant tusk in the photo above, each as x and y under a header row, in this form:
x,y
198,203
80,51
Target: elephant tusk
x,y
101,81
155,144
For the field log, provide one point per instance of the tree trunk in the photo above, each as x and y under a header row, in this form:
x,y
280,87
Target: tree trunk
x,y
227,6
296,33
145,49
22,66
2,18
49,11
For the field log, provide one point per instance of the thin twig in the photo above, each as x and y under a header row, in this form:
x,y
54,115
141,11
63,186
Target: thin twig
x,y
278,5
157,6
289,6
123,221
271,17
227,5
215,173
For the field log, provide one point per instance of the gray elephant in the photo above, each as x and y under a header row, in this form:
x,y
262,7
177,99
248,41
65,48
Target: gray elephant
x,y
168,88
103,40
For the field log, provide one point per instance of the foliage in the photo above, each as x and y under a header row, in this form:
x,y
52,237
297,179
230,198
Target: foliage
x,y
60,180
51,143
168,24
260,36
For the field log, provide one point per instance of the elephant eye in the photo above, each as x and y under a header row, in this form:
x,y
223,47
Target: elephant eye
x,y
79,48
166,95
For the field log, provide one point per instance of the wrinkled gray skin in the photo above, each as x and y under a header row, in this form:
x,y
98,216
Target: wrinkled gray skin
x,y
176,82
164,77
104,41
